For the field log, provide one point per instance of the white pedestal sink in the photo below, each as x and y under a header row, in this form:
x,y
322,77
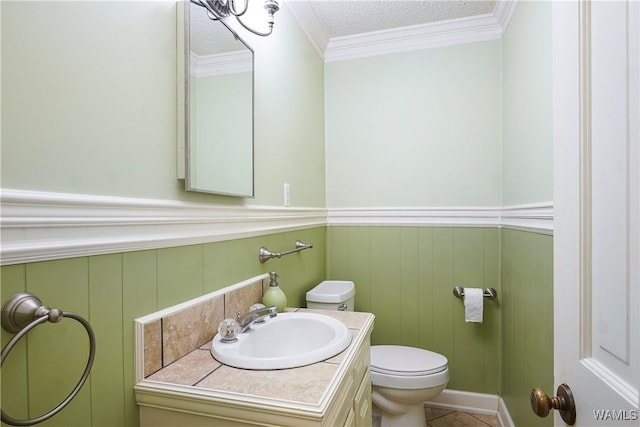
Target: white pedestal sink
x,y
288,340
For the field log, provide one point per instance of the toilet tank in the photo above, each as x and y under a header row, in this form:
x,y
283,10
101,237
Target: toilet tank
x,y
332,295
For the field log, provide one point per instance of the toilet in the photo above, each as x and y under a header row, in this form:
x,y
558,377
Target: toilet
x,y
403,378
332,295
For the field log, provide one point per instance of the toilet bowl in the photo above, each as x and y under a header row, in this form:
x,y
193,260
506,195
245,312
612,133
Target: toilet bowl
x,y
403,378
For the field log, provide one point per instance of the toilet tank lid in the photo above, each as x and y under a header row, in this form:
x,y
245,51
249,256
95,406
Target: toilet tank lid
x,y
332,291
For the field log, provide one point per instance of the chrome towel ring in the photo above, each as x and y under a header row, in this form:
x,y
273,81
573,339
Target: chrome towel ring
x,y
18,315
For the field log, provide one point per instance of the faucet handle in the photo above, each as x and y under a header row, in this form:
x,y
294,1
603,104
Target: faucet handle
x,y
229,330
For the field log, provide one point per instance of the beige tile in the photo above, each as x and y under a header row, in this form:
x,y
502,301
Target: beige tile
x,y
265,284
183,332
433,413
239,300
152,347
306,384
456,419
187,370
491,420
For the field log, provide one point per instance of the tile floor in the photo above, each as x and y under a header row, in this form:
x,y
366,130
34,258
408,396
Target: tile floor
x,y
447,418
437,417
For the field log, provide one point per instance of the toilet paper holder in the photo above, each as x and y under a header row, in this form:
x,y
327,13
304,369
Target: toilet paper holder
x,y
490,293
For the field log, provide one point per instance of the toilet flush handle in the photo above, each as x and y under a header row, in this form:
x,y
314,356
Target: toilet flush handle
x,y
343,307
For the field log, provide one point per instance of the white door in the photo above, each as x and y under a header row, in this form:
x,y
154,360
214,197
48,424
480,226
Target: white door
x,y
596,135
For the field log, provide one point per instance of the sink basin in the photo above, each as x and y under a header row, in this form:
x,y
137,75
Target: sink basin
x,y
286,341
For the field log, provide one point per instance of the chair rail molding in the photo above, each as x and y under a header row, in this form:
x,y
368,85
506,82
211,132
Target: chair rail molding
x,y
39,226
535,217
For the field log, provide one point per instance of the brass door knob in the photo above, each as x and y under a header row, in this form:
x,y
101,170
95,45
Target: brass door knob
x,y
563,402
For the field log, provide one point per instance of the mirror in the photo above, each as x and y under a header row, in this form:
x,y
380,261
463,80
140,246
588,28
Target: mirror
x,y
218,107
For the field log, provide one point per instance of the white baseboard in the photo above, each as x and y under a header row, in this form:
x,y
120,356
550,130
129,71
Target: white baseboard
x,y
504,417
466,401
478,403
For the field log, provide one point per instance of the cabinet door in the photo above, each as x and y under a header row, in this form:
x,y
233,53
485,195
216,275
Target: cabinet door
x,y
350,421
362,402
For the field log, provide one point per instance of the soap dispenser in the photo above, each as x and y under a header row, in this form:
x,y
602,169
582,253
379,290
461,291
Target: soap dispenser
x,y
274,295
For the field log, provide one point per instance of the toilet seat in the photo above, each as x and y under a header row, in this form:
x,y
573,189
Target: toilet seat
x,y
407,367
406,361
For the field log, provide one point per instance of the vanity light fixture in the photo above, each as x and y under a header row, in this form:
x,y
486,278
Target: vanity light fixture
x,y
218,9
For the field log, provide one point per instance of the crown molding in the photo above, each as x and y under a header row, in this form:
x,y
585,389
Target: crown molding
x,y
415,37
437,34
220,64
39,226
308,21
503,13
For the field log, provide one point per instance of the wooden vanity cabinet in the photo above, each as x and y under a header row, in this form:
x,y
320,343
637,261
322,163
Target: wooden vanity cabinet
x,y
352,404
346,401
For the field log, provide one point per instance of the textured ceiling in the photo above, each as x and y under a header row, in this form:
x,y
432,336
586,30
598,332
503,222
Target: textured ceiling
x,y
337,18
209,37
348,17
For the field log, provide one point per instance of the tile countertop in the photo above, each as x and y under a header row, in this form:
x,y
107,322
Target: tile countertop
x,y
199,372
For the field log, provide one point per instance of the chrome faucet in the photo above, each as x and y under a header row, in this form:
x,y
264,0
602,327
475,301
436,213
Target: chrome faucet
x,y
245,321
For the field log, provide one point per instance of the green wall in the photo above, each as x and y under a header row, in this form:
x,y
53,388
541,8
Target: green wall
x,y
110,291
527,140
89,103
527,177
406,275
407,123
463,125
527,321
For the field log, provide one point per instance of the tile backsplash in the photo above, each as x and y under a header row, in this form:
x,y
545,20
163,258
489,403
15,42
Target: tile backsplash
x,y
184,331
169,334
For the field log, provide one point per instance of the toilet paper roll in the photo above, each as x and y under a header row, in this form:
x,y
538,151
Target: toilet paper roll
x,y
473,301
